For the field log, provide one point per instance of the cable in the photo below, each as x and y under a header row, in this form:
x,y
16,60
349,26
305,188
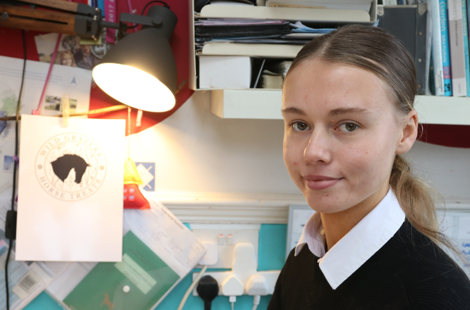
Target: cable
x,y
256,300
145,7
155,1
208,290
190,289
12,234
232,300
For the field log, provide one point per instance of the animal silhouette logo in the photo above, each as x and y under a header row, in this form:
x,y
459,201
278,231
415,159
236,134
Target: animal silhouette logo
x,y
106,301
70,166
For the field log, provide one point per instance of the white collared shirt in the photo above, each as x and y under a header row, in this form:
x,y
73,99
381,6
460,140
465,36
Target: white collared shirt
x,y
358,245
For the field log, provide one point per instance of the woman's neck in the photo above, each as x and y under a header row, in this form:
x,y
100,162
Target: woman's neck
x,y
337,225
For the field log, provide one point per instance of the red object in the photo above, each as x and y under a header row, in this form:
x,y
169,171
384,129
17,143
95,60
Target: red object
x,y
133,198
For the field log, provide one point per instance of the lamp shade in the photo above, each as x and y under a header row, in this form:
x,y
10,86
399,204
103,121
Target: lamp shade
x,y
140,70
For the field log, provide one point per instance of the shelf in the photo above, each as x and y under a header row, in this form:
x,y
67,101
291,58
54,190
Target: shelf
x,y
266,104
332,17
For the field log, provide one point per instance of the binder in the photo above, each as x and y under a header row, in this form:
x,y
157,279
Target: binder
x,y
408,23
437,78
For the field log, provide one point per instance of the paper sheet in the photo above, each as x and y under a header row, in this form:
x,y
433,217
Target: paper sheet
x,y
160,231
165,235
70,190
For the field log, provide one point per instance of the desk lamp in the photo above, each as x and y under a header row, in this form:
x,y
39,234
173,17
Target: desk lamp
x,y
139,71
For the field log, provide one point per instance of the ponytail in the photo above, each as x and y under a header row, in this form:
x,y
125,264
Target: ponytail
x,y
417,199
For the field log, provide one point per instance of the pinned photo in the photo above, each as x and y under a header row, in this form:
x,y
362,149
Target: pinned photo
x,y
54,103
71,52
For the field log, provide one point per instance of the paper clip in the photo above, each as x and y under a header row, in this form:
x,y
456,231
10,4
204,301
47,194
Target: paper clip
x,y
65,110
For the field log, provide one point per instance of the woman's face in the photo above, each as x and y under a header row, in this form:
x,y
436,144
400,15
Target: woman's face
x,y
342,132
67,60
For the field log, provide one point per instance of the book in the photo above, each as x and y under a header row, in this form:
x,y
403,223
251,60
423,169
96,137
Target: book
x,y
465,45
438,73
457,52
445,48
255,50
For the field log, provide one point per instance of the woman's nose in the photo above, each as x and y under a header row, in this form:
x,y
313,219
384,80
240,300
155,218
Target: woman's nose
x,y
318,149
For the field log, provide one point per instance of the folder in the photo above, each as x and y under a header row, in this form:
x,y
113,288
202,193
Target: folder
x,y
242,31
256,50
408,23
263,12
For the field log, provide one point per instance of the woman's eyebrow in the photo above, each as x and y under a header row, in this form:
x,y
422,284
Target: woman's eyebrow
x,y
340,111
293,110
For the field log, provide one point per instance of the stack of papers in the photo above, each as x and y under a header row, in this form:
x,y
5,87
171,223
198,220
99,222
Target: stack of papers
x,y
158,251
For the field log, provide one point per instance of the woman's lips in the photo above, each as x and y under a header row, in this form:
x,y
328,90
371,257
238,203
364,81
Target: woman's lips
x,y
319,182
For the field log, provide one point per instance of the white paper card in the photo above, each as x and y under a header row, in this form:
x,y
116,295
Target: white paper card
x,y
70,202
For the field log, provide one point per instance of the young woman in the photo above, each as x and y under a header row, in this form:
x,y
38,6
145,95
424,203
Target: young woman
x,y
373,242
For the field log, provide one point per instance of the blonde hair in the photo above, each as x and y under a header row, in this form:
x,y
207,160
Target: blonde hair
x,y
374,50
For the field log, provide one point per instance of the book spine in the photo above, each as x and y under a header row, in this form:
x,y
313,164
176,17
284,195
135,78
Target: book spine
x,y
101,6
437,49
457,53
465,44
445,47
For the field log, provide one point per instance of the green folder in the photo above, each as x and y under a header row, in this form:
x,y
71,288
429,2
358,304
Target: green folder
x,y
137,283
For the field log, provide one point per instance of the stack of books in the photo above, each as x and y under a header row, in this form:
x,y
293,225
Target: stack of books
x,y
450,54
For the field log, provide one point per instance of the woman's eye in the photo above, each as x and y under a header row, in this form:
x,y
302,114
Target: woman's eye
x,y
299,126
348,127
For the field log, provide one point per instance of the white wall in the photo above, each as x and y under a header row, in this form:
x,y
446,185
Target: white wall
x,y
197,152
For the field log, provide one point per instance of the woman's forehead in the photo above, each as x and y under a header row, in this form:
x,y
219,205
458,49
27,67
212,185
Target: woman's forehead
x,y
331,86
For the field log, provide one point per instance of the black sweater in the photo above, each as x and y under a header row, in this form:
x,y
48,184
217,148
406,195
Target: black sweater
x,y
408,272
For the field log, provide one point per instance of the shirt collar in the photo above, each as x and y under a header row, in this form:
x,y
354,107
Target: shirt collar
x,y
358,245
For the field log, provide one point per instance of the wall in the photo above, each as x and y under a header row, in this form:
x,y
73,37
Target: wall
x,y
199,154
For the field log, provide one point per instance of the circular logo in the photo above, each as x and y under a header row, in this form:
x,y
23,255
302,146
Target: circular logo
x,y
70,166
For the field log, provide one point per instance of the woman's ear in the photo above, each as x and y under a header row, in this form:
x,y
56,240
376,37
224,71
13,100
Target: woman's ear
x,y
409,133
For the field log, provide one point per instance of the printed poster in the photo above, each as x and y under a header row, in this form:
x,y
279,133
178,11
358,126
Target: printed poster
x,y
70,204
